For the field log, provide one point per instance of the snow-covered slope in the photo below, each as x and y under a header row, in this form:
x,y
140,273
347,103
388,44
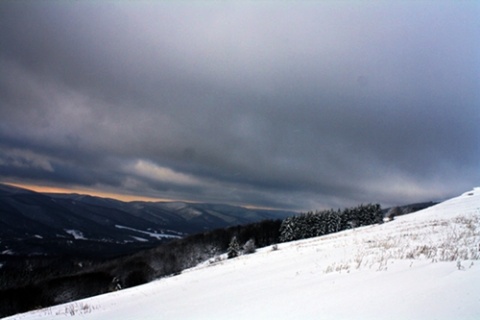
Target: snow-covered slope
x,y
420,266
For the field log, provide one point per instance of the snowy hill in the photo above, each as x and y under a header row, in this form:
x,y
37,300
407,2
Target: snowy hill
x,y
420,266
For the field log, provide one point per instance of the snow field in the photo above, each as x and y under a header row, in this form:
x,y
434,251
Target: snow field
x,y
420,266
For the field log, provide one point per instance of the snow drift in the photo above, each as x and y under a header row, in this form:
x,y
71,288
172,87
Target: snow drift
x,y
419,266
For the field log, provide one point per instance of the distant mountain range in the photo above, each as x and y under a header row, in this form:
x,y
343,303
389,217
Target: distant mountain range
x,y
37,224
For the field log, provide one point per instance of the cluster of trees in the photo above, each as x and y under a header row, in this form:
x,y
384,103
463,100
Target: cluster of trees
x,y
234,248
314,224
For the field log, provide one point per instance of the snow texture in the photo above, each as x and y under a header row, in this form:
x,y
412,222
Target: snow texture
x,y
420,266
158,236
78,235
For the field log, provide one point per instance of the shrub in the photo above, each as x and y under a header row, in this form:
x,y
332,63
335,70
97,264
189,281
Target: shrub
x,y
249,247
392,213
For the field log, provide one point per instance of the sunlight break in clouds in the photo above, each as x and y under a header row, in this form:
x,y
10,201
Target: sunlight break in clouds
x,y
151,171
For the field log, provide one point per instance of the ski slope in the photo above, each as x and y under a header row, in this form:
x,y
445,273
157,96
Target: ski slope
x,y
420,266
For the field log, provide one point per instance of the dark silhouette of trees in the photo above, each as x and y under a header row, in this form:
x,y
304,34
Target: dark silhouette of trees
x,y
316,224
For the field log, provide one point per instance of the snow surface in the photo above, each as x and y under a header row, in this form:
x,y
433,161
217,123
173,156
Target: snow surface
x,y
151,234
139,239
420,266
78,235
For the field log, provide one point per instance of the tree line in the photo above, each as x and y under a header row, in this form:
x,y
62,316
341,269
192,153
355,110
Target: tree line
x,y
319,223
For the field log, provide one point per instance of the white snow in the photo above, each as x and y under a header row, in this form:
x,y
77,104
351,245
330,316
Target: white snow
x,y
78,235
139,239
151,234
420,266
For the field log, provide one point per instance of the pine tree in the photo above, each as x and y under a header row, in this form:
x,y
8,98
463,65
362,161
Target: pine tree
x,y
332,221
233,248
249,247
286,230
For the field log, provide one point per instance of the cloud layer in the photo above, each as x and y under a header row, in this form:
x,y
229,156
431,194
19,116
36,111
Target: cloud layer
x,y
294,105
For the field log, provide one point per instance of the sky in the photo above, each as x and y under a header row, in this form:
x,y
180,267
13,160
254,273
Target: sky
x,y
290,105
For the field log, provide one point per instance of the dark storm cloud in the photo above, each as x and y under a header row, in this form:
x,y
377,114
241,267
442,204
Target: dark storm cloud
x,y
293,105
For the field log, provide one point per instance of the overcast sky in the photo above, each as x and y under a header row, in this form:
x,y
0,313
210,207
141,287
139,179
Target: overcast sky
x,y
292,105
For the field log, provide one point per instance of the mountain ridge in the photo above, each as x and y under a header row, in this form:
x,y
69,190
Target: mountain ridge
x,y
88,225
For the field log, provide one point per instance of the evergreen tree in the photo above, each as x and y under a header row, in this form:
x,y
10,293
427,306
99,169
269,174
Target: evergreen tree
x,y
233,248
332,221
286,230
249,247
